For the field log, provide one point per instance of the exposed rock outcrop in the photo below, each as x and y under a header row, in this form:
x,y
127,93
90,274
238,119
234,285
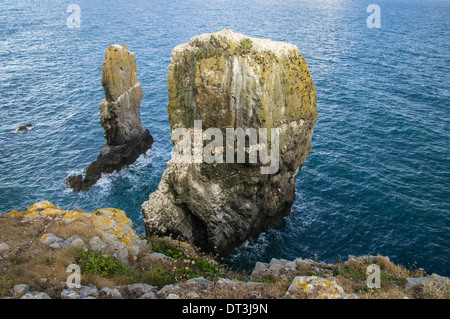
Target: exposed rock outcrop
x,y
41,245
112,230
126,138
227,80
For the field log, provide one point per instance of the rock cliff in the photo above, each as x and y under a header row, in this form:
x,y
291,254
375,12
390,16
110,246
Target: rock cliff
x,y
126,138
229,81
42,246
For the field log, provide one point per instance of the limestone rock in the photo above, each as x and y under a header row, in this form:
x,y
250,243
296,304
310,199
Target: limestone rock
x,y
139,290
75,242
283,268
313,287
126,138
227,80
96,244
84,292
20,290
35,295
52,241
116,235
110,293
433,279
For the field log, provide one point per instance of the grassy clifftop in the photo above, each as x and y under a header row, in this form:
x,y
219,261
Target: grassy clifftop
x,y
39,243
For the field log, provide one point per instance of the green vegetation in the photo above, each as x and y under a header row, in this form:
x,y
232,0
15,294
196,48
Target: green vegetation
x,y
205,53
245,45
190,264
92,262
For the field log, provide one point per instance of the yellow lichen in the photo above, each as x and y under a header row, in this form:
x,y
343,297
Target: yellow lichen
x,y
51,211
72,215
40,206
15,213
125,240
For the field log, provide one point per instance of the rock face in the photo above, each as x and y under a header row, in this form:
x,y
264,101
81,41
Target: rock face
x,y
116,235
126,138
227,80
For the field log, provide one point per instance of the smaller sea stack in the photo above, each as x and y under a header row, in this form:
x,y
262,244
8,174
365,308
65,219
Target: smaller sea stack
x,y
126,138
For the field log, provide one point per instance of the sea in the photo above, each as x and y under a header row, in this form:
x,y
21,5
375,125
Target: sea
x,y
378,177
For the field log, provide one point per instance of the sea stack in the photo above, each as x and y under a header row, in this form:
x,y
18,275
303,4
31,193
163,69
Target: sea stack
x,y
126,138
229,81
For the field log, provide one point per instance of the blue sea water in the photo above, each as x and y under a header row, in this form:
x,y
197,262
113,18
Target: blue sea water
x,y
378,177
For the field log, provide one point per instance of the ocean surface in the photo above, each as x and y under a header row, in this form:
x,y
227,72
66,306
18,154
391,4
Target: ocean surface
x,y
378,177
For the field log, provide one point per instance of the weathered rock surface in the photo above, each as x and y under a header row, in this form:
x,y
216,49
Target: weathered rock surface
x,y
433,279
313,287
227,80
38,244
116,235
126,138
284,268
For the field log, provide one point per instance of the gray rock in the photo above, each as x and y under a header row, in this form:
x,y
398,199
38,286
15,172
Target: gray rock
x,y
88,292
137,290
70,294
439,281
168,289
110,293
19,290
197,282
52,241
75,242
148,295
95,243
85,292
122,255
35,295
172,296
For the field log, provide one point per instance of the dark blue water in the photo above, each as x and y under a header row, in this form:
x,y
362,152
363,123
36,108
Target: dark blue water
x,y
377,180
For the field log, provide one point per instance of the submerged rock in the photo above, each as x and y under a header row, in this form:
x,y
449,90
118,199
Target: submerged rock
x,y
227,80
24,128
126,138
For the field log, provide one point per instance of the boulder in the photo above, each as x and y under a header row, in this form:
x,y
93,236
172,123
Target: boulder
x,y
313,287
20,290
221,196
35,295
110,293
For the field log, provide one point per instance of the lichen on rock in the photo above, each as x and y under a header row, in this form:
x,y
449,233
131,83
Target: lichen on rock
x,y
126,138
116,235
228,80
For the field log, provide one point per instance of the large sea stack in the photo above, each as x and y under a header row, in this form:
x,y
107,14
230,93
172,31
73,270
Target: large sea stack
x,y
227,80
126,138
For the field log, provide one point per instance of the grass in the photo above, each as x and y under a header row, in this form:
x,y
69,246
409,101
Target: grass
x,y
245,45
29,262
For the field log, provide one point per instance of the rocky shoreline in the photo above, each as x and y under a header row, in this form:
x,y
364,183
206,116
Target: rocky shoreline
x,y
39,243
